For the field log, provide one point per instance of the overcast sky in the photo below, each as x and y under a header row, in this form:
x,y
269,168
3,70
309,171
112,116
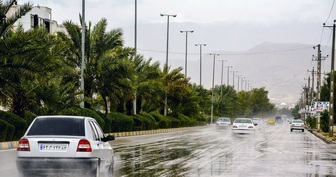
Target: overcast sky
x,y
225,25
120,13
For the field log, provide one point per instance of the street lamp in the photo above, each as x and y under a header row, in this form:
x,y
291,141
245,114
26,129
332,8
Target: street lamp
x,y
222,75
167,47
213,83
162,15
83,55
200,45
239,76
186,50
242,82
233,76
228,74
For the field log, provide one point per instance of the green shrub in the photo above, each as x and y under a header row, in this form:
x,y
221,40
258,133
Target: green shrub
x,y
3,130
10,132
138,124
185,121
76,111
18,122
148,123
154,124
175,123
120,122
163,121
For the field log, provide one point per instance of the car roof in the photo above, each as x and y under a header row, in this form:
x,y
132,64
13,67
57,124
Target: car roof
x,y
64,116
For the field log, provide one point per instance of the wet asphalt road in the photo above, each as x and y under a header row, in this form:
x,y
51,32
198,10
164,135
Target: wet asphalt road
x,y
272,151
203,151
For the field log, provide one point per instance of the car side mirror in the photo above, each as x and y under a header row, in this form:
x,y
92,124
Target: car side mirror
x,y
255,124
108,138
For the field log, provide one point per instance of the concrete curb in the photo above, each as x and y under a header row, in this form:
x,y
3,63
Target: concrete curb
x,y
14,144
322,137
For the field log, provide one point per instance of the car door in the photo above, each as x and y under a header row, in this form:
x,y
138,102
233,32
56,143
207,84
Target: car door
x,y
104,150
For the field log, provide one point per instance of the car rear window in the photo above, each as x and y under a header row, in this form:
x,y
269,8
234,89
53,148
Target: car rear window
x,y
58,126
297,121
243,121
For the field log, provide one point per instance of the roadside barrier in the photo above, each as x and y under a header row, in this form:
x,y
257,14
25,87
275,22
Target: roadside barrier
x,y
14,144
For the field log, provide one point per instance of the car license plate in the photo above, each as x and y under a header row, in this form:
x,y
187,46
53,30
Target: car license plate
x,y
53,147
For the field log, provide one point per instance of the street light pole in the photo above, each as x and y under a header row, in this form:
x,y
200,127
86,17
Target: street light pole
x,y
186,50
167,47
242,81
83,55
200,45
222,75
238,82
233,80
213,84
228,75
162,15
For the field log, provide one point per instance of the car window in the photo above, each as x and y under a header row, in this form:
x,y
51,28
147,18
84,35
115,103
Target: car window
x,y
58,126
98,133
243,121
297,121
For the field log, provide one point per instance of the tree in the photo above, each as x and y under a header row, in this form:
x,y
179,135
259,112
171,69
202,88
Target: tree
x,y
260,102
99,45
28,59
6,22
148,86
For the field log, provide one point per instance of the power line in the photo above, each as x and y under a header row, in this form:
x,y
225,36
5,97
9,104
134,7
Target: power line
x,y
236,53
332,6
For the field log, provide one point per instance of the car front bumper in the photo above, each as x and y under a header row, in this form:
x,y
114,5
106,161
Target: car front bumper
x,y
35,166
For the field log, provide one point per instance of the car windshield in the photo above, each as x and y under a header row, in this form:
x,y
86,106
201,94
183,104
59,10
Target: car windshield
x,y
243,121
58,126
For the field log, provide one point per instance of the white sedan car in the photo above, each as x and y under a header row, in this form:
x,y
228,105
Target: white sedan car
x,y
65,146
223,122
297,124
243,125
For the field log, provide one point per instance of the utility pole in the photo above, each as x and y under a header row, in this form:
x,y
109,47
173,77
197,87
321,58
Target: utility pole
x,y
331,110
318,59
82,105
311,90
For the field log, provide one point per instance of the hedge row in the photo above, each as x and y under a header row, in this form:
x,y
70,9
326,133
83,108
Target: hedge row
x,y
12,127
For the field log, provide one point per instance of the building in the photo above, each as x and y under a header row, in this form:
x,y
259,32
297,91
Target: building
x,y
38,16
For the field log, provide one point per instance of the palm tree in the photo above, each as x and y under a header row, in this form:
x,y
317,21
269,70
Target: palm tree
x,y
177,88
28,59
147,84
115,81
99,44
7,21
